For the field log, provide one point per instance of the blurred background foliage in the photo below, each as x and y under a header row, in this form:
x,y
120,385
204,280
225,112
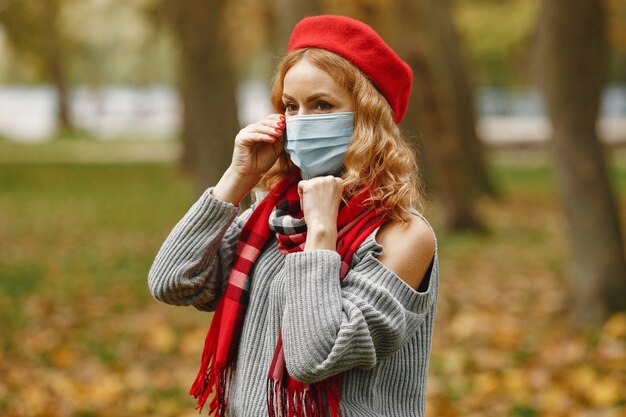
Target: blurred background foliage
x,y
531,317
121,42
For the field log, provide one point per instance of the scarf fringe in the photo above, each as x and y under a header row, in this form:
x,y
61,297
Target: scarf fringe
x,y
308,400
220,379
211,376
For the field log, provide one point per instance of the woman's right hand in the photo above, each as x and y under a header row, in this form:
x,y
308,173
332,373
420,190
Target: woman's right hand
x,y
258,146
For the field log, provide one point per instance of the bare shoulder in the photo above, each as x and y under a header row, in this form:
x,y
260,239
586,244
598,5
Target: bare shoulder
x,y
408,249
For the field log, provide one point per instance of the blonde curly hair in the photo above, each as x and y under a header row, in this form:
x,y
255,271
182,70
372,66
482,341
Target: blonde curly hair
x,y
378,157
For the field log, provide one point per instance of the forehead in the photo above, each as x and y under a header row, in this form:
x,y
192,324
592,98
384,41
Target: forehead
x,y
306,76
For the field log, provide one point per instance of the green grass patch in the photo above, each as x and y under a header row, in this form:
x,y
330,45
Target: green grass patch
x,y
78,228
84,150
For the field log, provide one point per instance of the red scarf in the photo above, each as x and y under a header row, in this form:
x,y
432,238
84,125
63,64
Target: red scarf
x,y
286,396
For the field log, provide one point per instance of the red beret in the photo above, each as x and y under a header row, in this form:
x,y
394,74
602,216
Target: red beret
x,y
361,45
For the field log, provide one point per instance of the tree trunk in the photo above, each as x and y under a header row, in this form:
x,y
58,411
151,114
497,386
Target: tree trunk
x,y
207,87
462,106
436,108
571,69
44,43
281,16
54,62
291,12
55,70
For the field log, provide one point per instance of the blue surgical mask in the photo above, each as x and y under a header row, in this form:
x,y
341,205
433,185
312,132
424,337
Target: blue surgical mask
x,y
316,143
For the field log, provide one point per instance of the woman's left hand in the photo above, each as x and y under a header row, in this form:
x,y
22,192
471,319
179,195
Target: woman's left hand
x,y
320,198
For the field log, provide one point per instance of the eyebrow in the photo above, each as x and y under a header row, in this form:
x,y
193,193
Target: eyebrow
x,y
311,98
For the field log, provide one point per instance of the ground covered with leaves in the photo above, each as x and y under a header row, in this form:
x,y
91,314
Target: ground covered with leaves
x,y
82,337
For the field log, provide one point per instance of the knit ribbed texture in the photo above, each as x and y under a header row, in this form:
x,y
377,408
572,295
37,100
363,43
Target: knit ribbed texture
x,y
371,326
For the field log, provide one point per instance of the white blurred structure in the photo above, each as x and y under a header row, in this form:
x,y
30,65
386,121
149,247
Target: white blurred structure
x,y
518,116
27,114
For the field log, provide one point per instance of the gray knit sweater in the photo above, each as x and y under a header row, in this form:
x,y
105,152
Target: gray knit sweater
x,y
371,326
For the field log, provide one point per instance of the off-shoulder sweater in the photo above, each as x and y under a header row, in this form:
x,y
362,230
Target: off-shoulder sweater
x,y
371,326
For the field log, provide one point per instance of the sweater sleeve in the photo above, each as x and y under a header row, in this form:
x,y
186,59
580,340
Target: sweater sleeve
x,y
192,265
330,326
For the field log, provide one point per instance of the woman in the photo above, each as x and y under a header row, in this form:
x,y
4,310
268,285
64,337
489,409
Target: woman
x,y
324,291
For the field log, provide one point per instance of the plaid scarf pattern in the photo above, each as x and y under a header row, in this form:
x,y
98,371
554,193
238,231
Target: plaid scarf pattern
x,y
280,213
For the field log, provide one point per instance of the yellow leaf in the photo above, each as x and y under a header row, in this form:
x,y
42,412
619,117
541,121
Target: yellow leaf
x,y
34,399
62,385
506,334
490,358
467,325
516,384
192,342
137,378
616,326
138,404
167,407
538,378
604,393
161,338
63,357
613,352
486,383
453,360
554,399
583,378
106,390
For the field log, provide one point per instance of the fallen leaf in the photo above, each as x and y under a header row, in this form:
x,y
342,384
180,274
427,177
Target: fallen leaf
x,y
604,392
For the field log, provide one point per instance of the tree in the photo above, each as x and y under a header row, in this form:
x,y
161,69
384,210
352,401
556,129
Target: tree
x,y
36,32
571,65
207,85
280,18
441,108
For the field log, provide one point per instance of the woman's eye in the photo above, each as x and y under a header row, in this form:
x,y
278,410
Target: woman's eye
x,y
323,106
291,107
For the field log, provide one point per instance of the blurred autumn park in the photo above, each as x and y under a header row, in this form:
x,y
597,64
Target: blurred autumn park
x,y
114,115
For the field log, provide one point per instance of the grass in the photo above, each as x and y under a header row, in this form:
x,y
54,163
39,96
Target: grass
x,y
83,337
88,151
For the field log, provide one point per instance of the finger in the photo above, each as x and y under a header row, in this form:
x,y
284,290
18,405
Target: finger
x,y
329,180
277,116
279,145
302,186
271,127
252,138
274,120
267,129
261,125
